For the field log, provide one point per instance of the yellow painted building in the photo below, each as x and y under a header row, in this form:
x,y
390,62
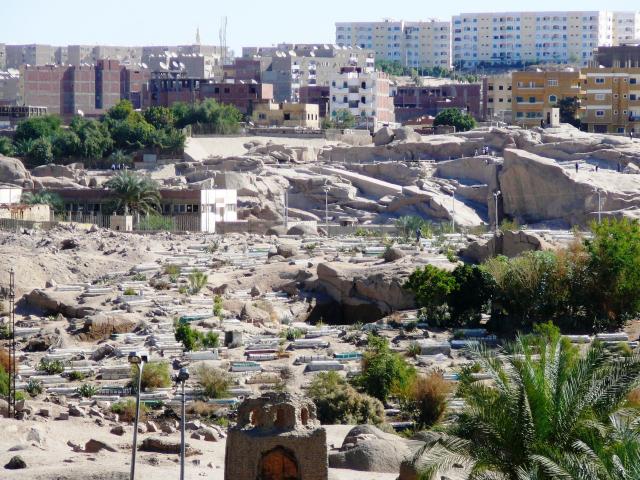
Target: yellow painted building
x,y
612,100
304,115
499,97
535,93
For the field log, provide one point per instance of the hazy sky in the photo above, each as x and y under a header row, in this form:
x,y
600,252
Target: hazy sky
x,y
250,22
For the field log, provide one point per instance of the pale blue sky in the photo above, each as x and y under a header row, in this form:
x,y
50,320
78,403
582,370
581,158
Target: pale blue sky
x,y
250,22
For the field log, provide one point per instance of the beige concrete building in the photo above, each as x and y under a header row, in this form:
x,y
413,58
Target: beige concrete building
x,y
303,115
626,27
612,98
366,94
413,44
535,93
499,97
515,38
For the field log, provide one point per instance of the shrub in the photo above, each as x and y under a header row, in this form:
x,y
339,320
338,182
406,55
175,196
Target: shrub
x,y
156,222
34,387
139,277
214,382
384,373
454,117
426,401
217,306
4,359
4,382
194,340
431,286
210,340
129,291
171,269
87,391
51,367
338,402
213,247
154,375
126,410
197,280
292,334
202,409
183,290
76,376
413,350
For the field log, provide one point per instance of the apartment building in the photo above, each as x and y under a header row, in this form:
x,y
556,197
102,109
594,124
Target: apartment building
x,y
67,90
366,94
414,44
90,54
412,102
612,97
9,87
627,55
626,27
498,97
33,54
516,38
3,56
164,90
292,66
317,95
293,115
535,93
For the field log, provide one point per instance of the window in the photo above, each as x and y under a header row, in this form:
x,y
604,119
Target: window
x,y
600,96
287,116
553,82
553,99
599,80
262,116
532,99
599,113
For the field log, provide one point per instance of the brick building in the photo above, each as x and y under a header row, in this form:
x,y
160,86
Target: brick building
x,y
165,90
317,95
412,102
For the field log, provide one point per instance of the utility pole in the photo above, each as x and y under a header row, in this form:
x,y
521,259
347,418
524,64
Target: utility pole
x,y
453,211
599,207
326,208
496,194
13,369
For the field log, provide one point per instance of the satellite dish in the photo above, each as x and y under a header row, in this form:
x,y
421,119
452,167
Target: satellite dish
x,y
163,66
80,113
144,65
182,65
174,64
13,71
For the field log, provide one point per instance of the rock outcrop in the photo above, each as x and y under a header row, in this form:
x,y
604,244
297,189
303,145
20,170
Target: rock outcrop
x,y
507,243
13,172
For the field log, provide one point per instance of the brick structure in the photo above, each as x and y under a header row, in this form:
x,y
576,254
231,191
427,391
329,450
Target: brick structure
x,y
317,95
413,102
277,437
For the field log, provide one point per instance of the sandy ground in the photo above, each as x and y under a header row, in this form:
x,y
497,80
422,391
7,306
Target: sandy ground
x,y
53,458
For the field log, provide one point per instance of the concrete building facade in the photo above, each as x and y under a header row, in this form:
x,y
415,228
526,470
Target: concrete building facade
x,y
33,54
412,102
9,87
366,94
318,95
3,56
498,97
535,93
413,44
294,115
515,38
627,55
612,98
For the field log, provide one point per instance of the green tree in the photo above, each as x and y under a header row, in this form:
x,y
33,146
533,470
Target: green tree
x,y
432,286
569,108
134,193
120,111
544,407
43,197
154,375
454,117
470,296
41,152
6,146
384,372
342,119
66,143
160,117
94,135
37,127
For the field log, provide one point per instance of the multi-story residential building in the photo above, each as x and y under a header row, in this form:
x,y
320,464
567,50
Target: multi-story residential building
x,y
627,55
413,102
535,93
498,97
90,54
413,44
364,93
317,95
68,90
293,115
612,97
166,89
516,38
132,81
34,54
626,27
3,56
246,69
292,66
9,87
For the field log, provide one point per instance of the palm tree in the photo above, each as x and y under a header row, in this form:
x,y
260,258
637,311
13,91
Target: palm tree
x,y
547,413
134,193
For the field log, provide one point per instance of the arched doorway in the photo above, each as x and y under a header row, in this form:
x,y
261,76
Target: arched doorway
x,y
278,464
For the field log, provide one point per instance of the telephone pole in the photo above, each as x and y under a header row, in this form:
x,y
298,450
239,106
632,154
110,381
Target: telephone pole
x,y
13,369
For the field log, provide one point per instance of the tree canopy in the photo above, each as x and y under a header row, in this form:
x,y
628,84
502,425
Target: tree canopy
x,y
455,118
134,193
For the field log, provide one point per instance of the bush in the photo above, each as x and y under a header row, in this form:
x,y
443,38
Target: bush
x,y
129,291
211,340
154,375
217,306
34,387
126,410
155,222
413,350
51,367
426,401
291,334
4,359
87,391
6,146
337,402
384,373
4,383
197,280
454,117
194,340
171,269
215,383
139,277
41,152
76,376
431,286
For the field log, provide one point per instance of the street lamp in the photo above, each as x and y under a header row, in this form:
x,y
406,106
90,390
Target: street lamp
x,y
326,208
599,207
496,194
183,376
453,211
139,359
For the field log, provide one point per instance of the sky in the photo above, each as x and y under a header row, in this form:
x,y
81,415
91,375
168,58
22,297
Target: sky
x,y
249,22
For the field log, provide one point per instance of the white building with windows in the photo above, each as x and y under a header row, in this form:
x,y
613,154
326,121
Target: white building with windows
x,y
516,38
414,44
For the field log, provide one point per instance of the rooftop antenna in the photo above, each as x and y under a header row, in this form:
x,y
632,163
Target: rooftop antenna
x,y
222,34
197,35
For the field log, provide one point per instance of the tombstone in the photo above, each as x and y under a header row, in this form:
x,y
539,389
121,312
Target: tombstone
x,y
232,339
277,437
123,223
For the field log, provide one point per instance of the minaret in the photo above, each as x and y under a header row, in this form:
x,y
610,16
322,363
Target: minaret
x,y
198,36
